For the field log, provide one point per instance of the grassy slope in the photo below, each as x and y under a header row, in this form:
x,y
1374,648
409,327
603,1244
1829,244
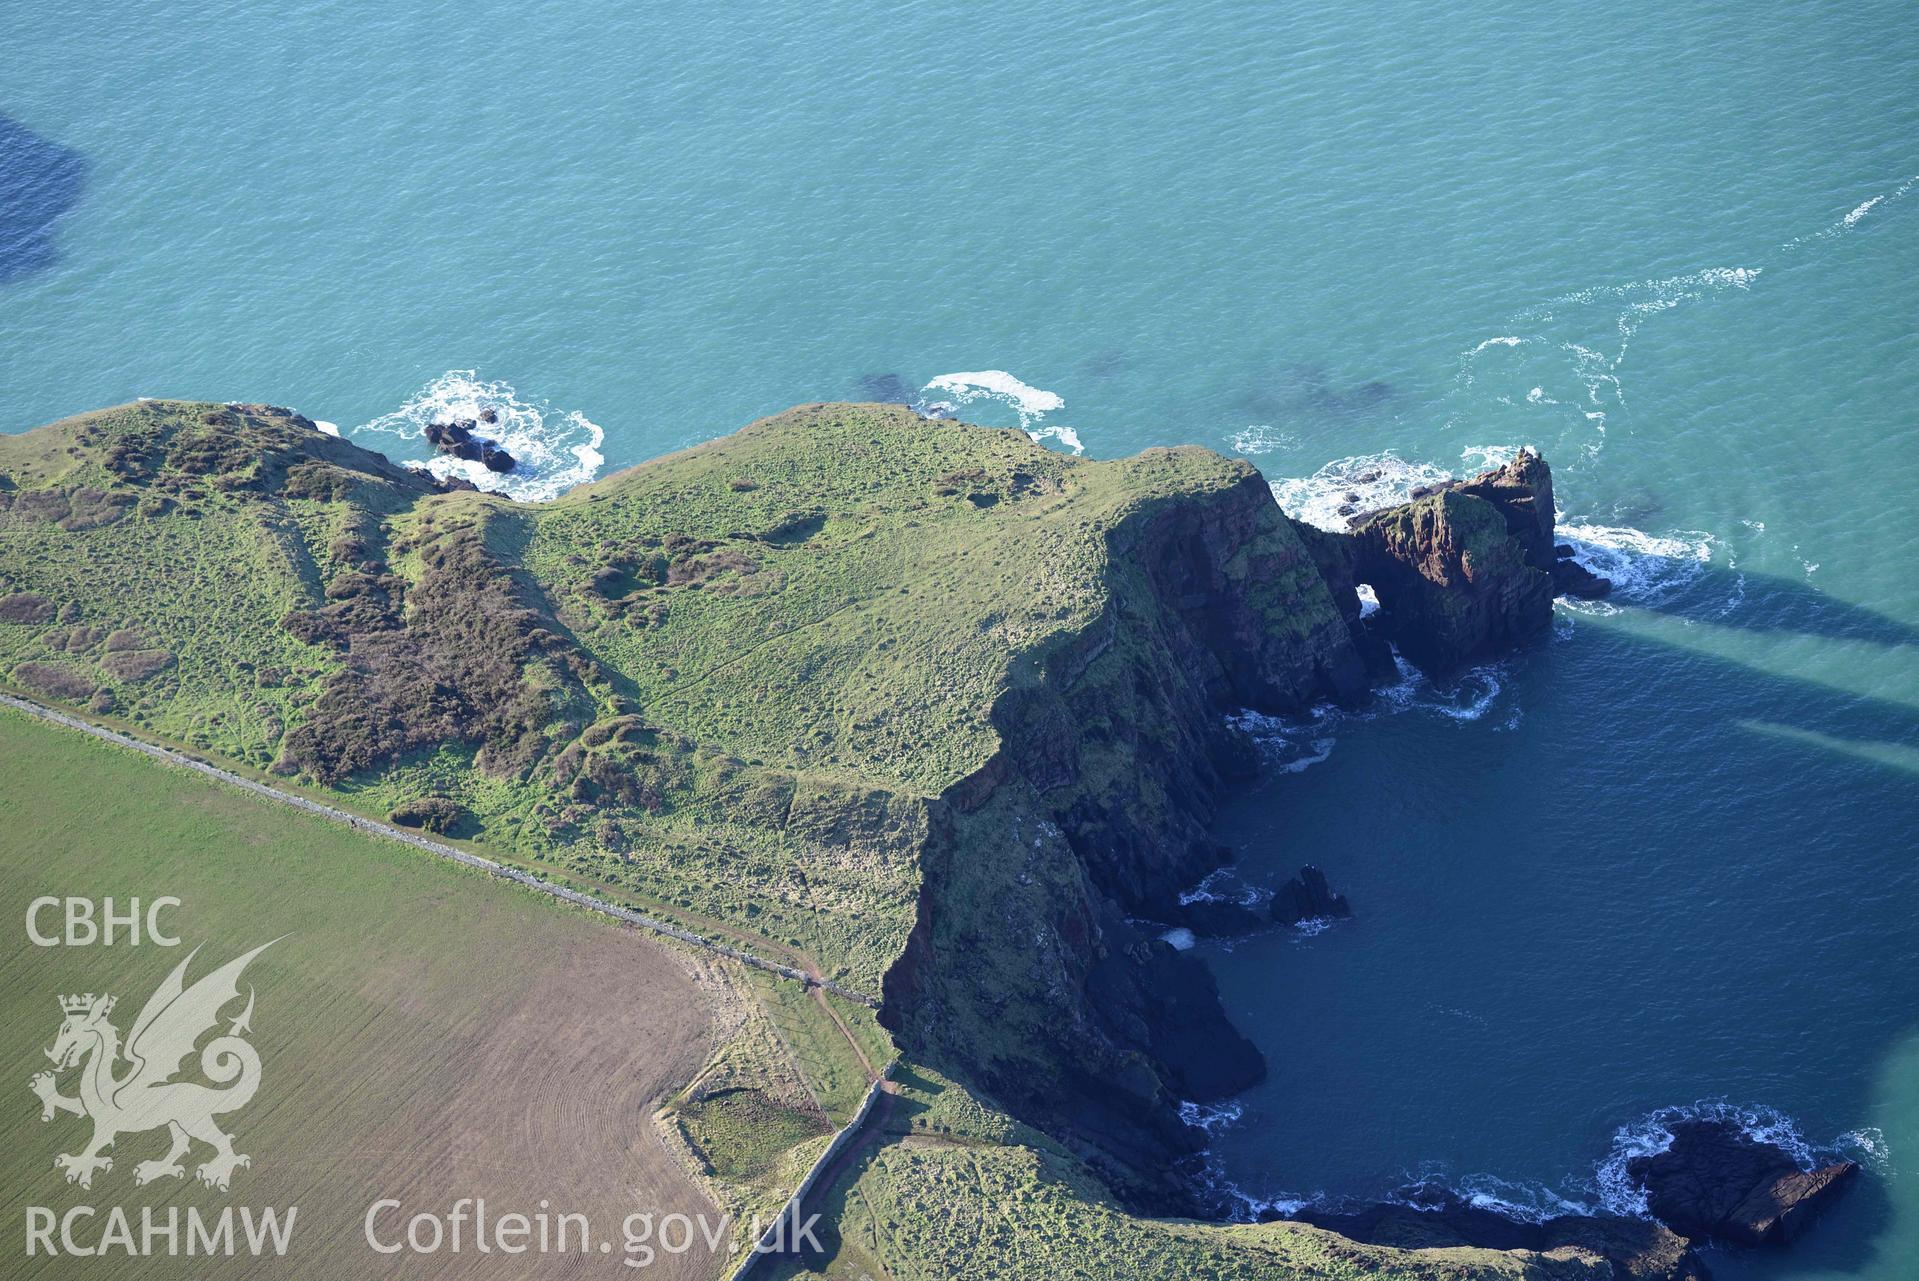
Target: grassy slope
x,y
808,621
392,1019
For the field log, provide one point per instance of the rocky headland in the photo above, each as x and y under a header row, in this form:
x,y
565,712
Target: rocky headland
x,y
941,710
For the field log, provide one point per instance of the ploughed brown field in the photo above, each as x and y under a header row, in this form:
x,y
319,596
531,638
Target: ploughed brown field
x,y
426,1034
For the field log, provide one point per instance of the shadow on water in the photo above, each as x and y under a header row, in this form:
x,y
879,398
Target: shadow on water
x,y
1860,1004
40,181
886,389
1773,871
1761,603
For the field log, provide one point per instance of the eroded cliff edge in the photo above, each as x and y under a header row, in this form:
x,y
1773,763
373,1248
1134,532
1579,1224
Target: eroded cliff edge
x,y
1026,970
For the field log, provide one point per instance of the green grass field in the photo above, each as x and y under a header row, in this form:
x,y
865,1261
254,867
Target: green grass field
x,y
424,1031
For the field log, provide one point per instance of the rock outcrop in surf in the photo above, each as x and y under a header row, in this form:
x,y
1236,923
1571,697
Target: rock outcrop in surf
x,y
1717,1182
460,439
1463,571
1307,897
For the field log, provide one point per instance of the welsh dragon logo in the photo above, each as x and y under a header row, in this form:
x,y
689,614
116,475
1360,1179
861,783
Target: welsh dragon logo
x,y
144,1096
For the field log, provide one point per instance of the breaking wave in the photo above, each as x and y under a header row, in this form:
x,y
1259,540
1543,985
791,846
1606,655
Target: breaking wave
x,y
1348,486
552,451
942,398
1645,569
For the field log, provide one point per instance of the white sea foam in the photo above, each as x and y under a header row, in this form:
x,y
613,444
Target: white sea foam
x,y
1223,885
552,451
1663,290
1210,1116
1289,745
1472,695
1064,435
1478,458
1363,483
1556,342
326,428
1868,1147
1322,749
1260,438
1525,1202
1856,215
1368,600
1859,211
1292,745
1029,402
1181,938
1645,569
1234,1202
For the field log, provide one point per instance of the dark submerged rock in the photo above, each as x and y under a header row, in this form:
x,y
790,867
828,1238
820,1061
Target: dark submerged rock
x,y
457,439
1717,1182
44,181
1574,579
1308,897
886,389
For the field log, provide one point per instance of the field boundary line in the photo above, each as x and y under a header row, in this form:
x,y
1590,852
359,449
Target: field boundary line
x,y
491,867
788,1219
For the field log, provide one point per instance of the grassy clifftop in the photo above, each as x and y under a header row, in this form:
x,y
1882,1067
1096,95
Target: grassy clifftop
x,y
726,680
893,575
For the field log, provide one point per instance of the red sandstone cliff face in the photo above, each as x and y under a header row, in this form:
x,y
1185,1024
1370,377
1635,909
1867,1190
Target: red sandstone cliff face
x,y
1463,572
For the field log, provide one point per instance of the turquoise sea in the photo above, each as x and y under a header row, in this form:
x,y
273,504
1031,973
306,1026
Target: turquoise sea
x,y
1671,857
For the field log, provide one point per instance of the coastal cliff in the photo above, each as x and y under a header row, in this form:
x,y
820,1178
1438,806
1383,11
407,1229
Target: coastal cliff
x,y
1029,969
941,712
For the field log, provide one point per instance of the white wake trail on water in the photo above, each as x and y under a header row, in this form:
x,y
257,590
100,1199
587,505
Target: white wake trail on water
x,y
1552,356
552,451
1857,215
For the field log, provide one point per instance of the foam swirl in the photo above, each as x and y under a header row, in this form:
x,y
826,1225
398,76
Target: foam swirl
x,y
552,451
